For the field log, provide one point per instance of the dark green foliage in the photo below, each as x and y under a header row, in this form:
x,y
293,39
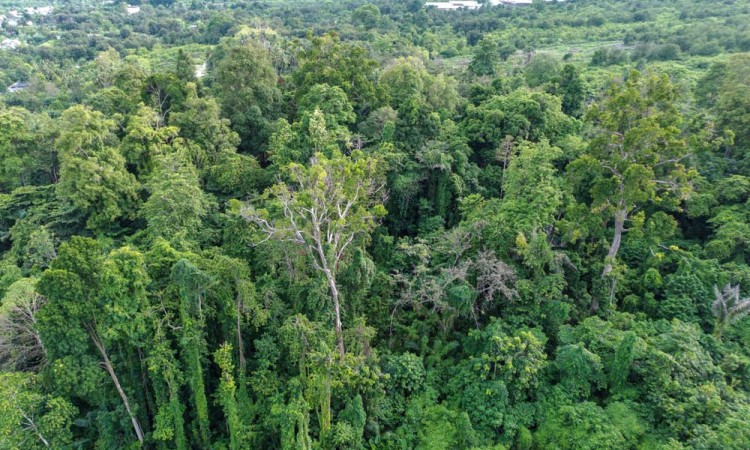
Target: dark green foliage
x,y
623,359
588,426
342,65
580,370
540,70
522,114
364,225
486,58
247,92
192,283
571,89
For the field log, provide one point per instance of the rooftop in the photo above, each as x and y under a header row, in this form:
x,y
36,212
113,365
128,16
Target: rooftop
x,y
454,5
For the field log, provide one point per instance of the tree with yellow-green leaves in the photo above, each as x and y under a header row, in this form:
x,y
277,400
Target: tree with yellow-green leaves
x,y
637,151
93,177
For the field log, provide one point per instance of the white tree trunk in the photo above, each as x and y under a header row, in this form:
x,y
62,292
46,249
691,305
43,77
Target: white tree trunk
x,y
337,311
111,371
620,216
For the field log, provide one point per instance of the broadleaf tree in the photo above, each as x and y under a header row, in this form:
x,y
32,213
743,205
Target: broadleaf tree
x,y
639,151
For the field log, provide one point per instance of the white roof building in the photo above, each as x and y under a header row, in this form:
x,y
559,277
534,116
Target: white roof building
x,y
453,5
133,9
516,2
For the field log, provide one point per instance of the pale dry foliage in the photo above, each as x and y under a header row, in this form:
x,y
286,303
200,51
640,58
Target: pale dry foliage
x,y
428,284
21,347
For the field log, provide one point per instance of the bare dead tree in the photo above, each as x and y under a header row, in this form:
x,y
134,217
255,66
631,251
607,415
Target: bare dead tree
x,y
495,279
427,285
21,347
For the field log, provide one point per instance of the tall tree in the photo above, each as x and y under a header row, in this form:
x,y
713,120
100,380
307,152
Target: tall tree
x,y
25,155
638,151
145,138
486,57
227,397
192,284
571,90
184,68
245,81
200,122
92,300
346,66
31,419
531,193
732,106
167,379
521,114
177,204
325,208
93,178
323,116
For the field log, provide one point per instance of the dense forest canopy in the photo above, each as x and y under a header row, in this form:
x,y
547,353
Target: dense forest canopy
x,y
298,224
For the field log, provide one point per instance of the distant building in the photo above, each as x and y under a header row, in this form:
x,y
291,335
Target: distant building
x,y
516,2
453,5
133,9
18,86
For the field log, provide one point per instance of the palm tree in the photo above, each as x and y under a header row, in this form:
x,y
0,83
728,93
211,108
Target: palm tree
x,y
728,307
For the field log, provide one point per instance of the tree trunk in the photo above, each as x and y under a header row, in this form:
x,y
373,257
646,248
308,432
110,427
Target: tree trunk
x,y
113,375
331,278
240,346
719,328
337,311
32,426
620,216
